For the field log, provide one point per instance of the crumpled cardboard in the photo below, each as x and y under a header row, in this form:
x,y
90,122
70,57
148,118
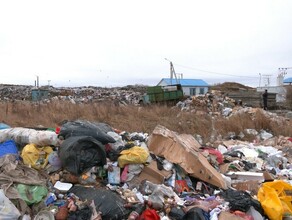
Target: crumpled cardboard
x,y
152,174
184,151
249,185
268,176
227,215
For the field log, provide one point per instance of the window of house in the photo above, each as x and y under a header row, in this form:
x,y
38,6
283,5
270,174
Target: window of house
x,y
192,91
202,91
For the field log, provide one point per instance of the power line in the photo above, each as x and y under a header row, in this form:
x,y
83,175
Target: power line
x,y
192,68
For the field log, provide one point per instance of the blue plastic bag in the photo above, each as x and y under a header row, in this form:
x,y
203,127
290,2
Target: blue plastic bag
x,y
8,147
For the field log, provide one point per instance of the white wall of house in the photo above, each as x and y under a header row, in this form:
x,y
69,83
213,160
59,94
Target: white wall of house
x,y
197,90
187,89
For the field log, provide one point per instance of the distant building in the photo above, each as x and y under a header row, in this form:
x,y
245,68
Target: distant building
x,y
190,86
288,81
39,94
279,89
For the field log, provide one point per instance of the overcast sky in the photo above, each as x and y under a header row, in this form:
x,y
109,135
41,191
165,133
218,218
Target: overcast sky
x,y
115,43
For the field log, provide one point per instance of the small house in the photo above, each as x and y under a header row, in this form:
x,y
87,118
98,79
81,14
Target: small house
x,y
190,87
39,94
288,81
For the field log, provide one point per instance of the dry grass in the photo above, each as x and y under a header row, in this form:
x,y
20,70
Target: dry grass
x,y
289,96
134,118
236,123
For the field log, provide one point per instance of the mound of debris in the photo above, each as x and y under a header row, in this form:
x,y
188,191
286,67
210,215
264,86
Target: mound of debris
x,y
130,94
231,86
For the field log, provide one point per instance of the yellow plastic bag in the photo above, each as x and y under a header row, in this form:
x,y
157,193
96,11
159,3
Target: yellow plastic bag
x,y
134,155
36,157
274,199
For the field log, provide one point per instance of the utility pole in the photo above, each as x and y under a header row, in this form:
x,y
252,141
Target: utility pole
x,y
172,72
260,79
36,83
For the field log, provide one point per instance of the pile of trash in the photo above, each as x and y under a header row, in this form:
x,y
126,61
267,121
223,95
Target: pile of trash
x,y
90,170
120,95
214,102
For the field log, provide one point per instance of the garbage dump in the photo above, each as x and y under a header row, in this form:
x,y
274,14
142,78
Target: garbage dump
x,y
120,95
90,170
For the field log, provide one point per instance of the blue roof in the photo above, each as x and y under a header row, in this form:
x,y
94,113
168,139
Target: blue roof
x,y
185,82
288,80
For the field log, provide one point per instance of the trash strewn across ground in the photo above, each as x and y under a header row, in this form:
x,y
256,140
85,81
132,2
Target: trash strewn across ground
x,y
217,103
90,170
120,95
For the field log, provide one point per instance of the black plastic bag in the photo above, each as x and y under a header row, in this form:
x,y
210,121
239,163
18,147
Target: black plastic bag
x,y
176,213
235,153
86,128
241,200
103,127
113,155
81,153
109,203
81,214
196,214
248,165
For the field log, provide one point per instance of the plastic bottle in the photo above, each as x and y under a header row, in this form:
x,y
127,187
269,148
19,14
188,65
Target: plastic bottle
x,y
50,199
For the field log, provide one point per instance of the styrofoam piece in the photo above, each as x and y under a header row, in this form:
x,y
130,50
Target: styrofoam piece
x,y
63,186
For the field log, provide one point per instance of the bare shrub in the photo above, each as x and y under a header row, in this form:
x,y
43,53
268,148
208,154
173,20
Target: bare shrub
x,y
235,123
261,121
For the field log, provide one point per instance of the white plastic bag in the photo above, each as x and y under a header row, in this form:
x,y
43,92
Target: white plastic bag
x,y
255,214
265,135
119,141
24,136
8,211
